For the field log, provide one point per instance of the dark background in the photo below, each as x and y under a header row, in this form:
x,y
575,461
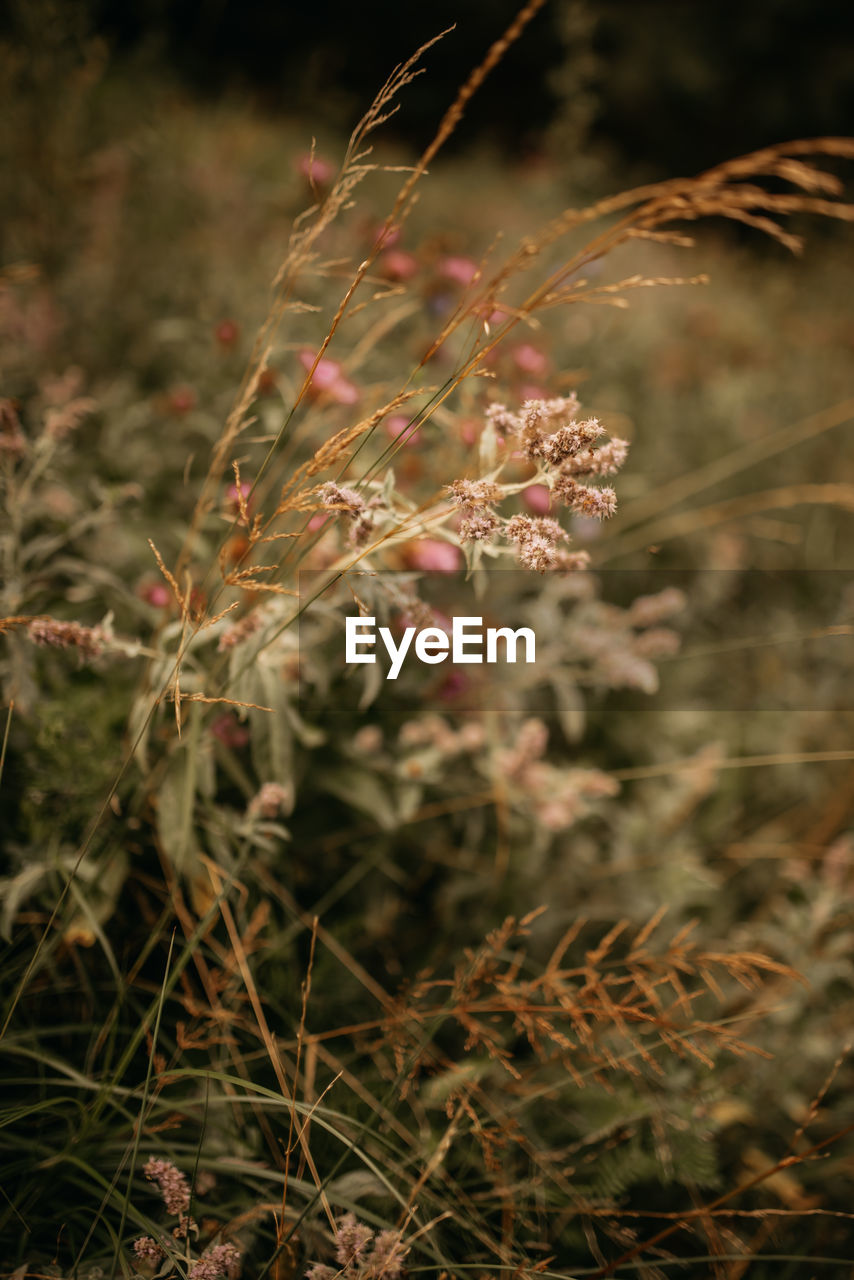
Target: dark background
x,y
671,85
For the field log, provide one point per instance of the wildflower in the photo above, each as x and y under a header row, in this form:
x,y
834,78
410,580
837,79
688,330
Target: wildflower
x,y
473,493
226,333
50,633
387,1255
172,1183
536,540
216,1263
333,495
584,499
239,631
397,264
61,421
658,642
320,1272
572,561
156,593
401,430
478,526
272,798
528,359
368,740
147,1250
537,498
234,496
318,171
565,443
500,417
181,400
430,554
351,1239
529,746
328,379
459,270
361,531
230,731
604,461
645,611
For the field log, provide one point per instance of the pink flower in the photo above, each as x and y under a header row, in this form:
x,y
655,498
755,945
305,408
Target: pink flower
x,y
460,270
328,379
173,1184
470,430
315,169
430,554
157,594
529,360
537,498
181,400
395,429
397,264
318,520
233,496
226,333
529,391
230,731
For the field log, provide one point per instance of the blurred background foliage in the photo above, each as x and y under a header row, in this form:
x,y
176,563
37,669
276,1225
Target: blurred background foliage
x,y
661,85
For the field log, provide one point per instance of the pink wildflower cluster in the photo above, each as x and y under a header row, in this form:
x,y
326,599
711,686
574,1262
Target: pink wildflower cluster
x,y
559,797
218,1263
551,431
239,631
432,730
551,434
362,1254
329,379
172,1183
50,633
354,505
622,644
536,539
271,800
148,1250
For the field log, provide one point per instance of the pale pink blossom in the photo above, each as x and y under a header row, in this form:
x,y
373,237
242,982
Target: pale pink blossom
x,y
431,554
396,430
528,359
328,379
397,264
460,270
537,498
315,169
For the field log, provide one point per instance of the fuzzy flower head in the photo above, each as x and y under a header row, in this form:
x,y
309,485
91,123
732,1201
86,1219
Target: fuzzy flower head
x,y
52,634
271,800
387,1256
172,1183
585,499
328,379
536,541
218,1263
334,495
474,493
478,526
148,1250
351,1240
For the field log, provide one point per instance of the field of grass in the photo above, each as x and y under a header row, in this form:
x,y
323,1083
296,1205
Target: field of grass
x,y
547,971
